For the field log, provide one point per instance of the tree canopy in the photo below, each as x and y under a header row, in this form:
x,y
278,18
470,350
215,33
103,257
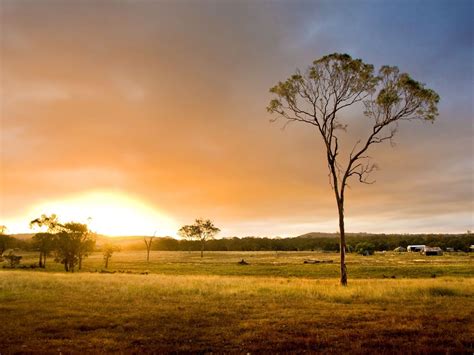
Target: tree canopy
x,y
202,230
71,241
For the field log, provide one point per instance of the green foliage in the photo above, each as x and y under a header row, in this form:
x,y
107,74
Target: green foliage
x,y
335,75
315,241
72,244
202,231
365,248
401,97
51,222
322,242
71,241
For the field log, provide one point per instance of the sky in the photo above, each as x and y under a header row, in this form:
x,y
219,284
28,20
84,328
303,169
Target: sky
x,y
140,116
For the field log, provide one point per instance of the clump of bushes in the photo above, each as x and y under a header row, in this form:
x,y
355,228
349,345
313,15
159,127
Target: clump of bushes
x,y
12,260
365,248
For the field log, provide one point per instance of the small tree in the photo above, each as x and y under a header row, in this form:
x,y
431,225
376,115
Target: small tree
x,y
148,246
202,231
108,250
44,243
335,82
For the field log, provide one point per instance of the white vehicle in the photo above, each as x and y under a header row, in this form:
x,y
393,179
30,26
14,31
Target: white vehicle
x,y
415,248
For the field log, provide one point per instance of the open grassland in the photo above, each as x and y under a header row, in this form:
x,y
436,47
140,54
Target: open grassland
x,y
281,264
50,312
274,304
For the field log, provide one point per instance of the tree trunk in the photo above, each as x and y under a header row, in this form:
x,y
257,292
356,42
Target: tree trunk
x,y
202,250
44,260
340,207
66,266
148,255
106,263
80,262
41,259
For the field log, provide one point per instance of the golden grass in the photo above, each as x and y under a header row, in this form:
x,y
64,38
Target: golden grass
x,y
44,312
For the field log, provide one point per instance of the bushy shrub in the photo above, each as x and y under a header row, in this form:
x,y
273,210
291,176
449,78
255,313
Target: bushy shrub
x,y
13,260
365,248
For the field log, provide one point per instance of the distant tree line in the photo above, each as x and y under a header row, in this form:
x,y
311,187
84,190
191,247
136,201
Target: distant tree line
x,y
316,242
311,242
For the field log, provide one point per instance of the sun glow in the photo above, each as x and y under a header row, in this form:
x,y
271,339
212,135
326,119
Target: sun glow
x,y
110,213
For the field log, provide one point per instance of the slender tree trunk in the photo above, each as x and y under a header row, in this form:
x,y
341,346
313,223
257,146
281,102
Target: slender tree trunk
x,y
202,249
44,260
148,255
106,263
41,259
80,262
340,207
66,265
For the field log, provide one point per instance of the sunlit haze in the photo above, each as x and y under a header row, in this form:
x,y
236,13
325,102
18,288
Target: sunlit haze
x,y
144,115
107,213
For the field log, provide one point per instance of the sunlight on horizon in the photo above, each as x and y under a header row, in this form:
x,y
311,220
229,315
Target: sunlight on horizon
x,y
108,213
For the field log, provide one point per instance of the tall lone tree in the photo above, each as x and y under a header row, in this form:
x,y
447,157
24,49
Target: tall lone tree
x,y
202,231
335,82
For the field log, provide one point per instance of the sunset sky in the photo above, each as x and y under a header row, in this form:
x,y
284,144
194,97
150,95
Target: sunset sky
x,y
144,115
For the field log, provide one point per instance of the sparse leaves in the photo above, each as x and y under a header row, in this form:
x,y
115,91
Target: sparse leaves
x,y
202,230
51,222
335,82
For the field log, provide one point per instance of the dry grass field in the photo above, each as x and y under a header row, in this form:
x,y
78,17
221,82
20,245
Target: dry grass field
x,y
275,304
